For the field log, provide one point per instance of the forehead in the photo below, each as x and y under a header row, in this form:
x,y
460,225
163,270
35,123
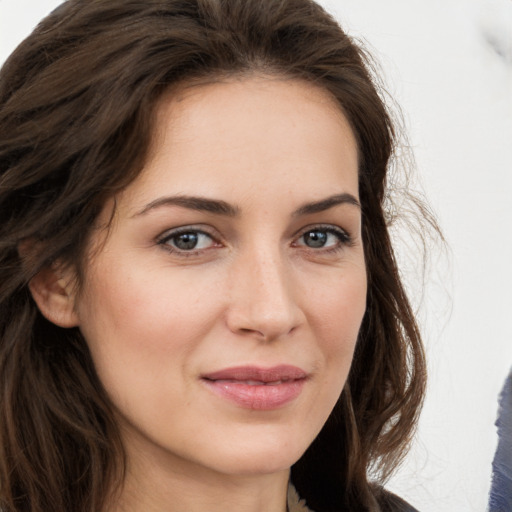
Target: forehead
x,y
243,105
242,134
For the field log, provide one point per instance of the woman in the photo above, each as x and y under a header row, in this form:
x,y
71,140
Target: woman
x,y
200,306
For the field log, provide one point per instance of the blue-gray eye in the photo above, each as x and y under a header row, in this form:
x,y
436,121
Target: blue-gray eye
x,y
188,240
320,238
185,241
315,238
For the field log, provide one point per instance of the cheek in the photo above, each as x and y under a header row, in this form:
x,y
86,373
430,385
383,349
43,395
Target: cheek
x,y
336,309
340,313
136,322
133,297
337,306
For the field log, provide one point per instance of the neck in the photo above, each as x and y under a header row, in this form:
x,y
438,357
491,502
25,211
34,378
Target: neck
x,y
176,485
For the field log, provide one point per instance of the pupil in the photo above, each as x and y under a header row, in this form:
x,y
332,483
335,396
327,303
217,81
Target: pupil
x,y
315,238
186,241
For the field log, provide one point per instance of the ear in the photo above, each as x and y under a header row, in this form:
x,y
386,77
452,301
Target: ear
x,y
53,289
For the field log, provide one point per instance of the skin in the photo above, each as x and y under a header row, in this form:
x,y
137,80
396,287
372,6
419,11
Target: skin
x,y
252,292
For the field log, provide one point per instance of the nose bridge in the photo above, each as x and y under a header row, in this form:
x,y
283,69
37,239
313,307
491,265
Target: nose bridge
x,y
263,301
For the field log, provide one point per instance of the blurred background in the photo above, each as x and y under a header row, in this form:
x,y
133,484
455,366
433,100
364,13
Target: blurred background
x,y
448,63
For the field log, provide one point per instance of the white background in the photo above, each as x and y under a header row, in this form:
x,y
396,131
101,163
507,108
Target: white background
x,y
449,65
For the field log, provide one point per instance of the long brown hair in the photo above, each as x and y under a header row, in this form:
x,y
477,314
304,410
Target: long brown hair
x,y
77,99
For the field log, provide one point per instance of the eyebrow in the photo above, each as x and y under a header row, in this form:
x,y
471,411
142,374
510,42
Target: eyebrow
x,y
326,204
193,203
220,207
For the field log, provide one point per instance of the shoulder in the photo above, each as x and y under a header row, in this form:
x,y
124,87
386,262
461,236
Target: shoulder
x,y
390,502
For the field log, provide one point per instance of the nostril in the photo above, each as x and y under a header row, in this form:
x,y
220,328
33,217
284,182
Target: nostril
x,y
263,324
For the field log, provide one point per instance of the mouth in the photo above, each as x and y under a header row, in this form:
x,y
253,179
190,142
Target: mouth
x,y
251,387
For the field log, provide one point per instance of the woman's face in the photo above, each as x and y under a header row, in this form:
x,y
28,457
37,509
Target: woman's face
x,y
223,307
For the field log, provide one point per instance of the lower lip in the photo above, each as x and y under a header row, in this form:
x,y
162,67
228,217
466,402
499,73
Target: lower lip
x,y
257,397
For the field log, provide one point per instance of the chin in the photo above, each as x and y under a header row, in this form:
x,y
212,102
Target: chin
x,y
268,456
249,465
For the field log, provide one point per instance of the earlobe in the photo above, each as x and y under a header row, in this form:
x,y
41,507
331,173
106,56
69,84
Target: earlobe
x,y
53,290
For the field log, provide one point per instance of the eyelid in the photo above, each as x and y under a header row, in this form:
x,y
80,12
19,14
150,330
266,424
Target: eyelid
x,y
344,236
167,235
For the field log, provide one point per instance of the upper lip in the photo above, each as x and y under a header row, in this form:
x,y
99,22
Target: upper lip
x,y
282,372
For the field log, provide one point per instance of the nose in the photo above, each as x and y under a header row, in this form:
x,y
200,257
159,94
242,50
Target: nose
x,y
262,302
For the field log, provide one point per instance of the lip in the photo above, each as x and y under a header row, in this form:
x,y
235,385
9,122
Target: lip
x,y
252,387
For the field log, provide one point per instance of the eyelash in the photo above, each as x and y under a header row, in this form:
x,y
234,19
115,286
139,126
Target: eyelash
x,y
168,236
344,239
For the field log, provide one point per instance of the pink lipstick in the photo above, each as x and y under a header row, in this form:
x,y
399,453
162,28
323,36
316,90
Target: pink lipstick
x,y
257,388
